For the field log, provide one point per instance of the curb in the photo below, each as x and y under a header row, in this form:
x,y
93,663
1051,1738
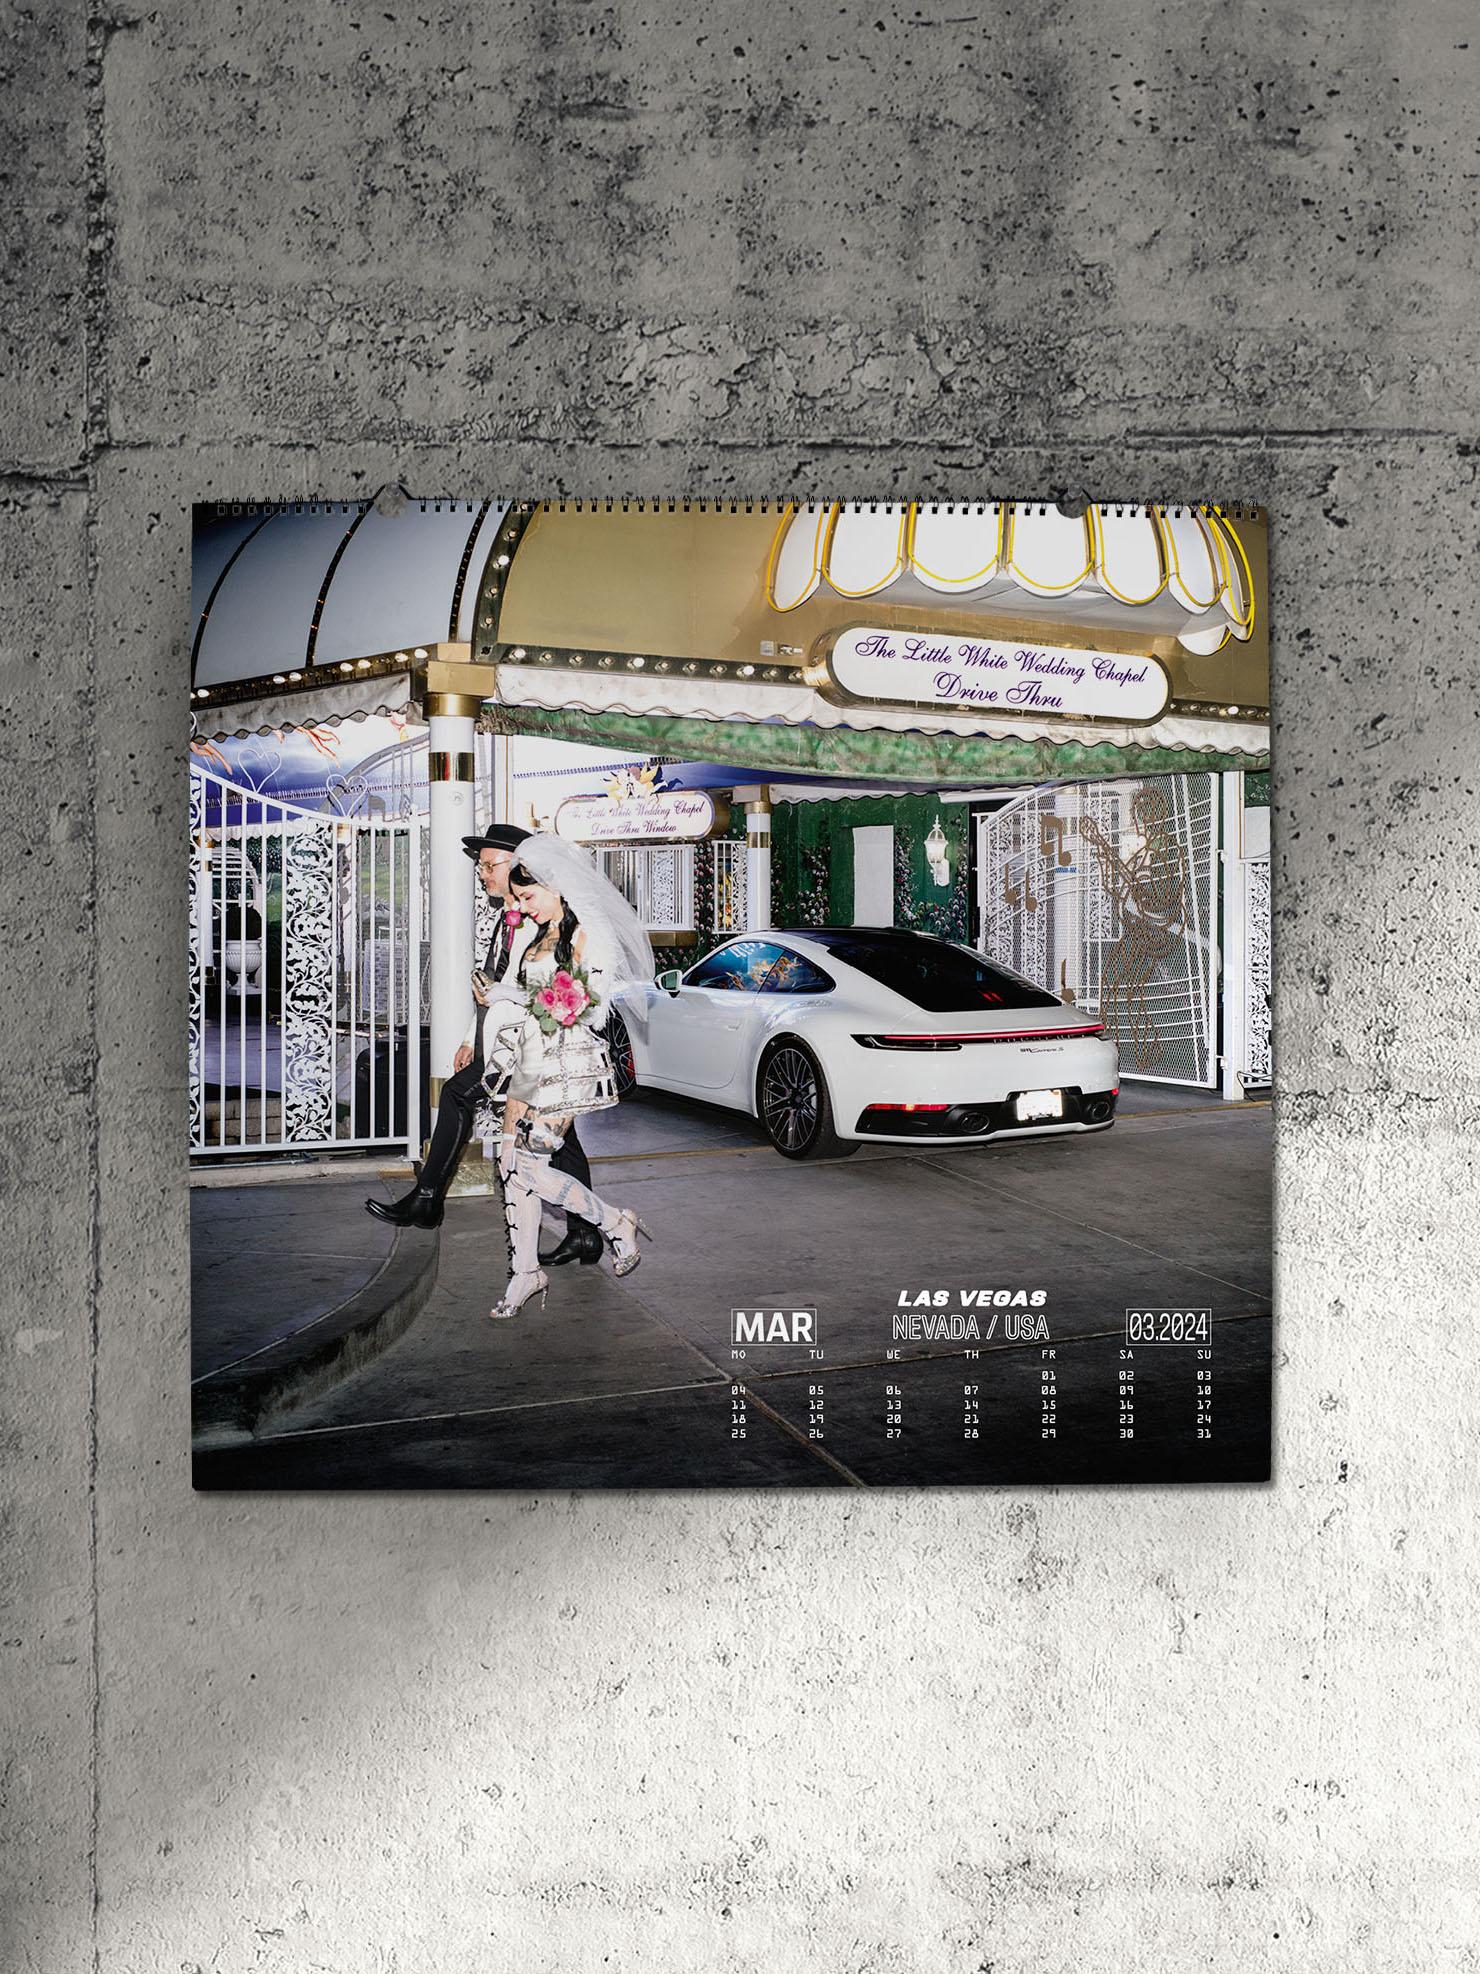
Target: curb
x,y
240,1401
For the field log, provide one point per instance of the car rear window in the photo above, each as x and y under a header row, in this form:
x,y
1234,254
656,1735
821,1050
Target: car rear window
x,y
937,976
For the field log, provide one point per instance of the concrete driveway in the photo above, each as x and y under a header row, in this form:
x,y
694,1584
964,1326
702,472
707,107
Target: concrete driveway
x,y
639,1382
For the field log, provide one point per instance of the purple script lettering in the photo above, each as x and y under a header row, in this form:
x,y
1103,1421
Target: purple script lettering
x,y
1049,665
1107,669
1028,692
980,654
951,685
923,652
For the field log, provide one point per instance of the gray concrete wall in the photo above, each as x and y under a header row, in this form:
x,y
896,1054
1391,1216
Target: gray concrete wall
x,y
1184,251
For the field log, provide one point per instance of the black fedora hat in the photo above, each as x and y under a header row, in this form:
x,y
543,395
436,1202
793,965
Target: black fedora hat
x,y
497,836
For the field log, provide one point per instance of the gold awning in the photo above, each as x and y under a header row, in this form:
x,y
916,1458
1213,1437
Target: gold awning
x,y
750,594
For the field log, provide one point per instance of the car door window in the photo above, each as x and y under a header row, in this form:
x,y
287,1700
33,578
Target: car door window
x,y
792,974
740,966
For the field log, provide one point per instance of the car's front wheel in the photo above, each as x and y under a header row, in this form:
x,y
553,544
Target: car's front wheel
x,y
794,1104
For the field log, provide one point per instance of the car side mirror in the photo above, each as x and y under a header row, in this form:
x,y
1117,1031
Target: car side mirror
x,y
670,981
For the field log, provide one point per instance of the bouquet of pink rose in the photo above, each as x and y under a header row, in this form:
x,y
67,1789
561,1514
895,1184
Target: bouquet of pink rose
x,y
566,1000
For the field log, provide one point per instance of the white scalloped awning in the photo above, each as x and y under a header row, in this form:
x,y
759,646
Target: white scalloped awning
x,y
1178,570
799,705
356,699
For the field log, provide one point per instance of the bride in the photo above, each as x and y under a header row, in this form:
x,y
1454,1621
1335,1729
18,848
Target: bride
x,y
583,943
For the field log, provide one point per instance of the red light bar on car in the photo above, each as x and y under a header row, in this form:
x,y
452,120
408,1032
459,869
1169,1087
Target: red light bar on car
x,y
875,1107
958,1041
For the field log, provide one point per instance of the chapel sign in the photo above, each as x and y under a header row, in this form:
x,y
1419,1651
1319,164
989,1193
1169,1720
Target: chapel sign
x,y
664,815
981,674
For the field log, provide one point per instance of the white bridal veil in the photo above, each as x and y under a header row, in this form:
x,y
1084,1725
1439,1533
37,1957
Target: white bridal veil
x,y
616,941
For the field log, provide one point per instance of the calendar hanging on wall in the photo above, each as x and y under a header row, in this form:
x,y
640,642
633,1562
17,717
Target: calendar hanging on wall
x,y
697,993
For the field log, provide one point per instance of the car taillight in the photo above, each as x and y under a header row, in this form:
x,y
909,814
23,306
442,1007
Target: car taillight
x,y
961,1040
927,1042
878,1107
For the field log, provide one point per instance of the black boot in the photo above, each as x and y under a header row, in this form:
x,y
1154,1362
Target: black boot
x,y
421,1207
582,1243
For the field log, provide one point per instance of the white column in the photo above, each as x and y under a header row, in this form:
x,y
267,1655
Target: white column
x,y
1233,973
758,863
450,875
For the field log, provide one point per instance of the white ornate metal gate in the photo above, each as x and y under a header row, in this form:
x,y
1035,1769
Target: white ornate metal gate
x,y
1106,894
307,941
656,879
1254,1068
729,885
1247,1063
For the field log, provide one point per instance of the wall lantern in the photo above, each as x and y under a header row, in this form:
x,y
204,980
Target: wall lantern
x,y
936,849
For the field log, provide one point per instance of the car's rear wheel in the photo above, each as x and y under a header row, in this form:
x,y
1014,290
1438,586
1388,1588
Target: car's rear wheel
x,y
794,1104
624,1062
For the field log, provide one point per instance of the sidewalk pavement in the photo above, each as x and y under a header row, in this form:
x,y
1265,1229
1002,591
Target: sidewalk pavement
x,y
630,1381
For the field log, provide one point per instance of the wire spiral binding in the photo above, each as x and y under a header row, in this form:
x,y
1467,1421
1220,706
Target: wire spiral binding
x,y
703,504
236,510
778,505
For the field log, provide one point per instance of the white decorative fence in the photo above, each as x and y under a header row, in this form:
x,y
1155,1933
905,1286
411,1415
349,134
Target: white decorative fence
x,y
1106,894
307,937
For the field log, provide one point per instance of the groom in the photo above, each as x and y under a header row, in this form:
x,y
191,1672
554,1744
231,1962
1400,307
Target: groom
x,y
494,854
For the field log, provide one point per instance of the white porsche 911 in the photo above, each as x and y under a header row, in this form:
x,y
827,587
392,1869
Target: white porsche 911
x,y
832,1036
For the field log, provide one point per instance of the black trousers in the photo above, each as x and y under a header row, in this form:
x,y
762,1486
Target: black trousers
x,y
462,1093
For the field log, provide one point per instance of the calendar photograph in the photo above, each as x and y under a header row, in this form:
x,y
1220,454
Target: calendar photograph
x,y
750,994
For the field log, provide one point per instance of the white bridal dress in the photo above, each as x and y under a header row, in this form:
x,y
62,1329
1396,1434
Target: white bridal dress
x,y
565,1074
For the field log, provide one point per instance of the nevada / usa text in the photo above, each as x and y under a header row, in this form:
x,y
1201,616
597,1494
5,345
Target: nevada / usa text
x,y
970,1316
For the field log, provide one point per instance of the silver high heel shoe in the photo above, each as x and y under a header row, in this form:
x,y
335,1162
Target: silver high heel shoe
x,y
625,1255
510,1305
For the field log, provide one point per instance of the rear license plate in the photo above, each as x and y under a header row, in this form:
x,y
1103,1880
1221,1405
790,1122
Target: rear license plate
x,y
1033,1104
